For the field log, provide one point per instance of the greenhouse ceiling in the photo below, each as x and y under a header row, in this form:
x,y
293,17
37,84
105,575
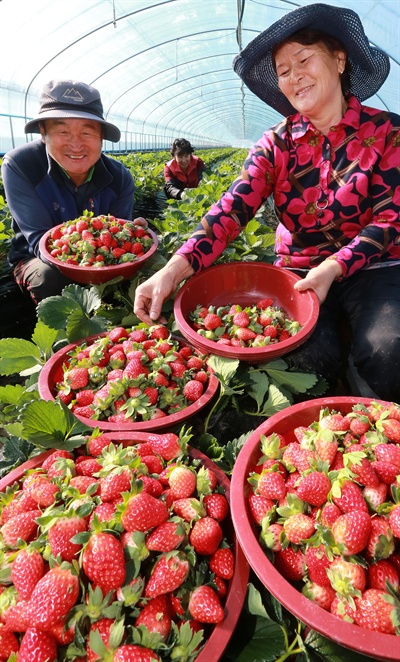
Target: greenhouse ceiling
x,y
163,67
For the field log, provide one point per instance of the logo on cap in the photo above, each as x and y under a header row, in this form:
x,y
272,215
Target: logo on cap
x,y
73,95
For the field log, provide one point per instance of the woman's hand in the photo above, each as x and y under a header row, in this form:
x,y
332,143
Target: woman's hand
x,y
151,294
320,279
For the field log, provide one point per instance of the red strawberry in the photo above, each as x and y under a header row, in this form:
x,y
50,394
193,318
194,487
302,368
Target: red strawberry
x,y
386,471
380,572
103,561
391,428
298,528
272,536
351,532
166,445
60,534
142,512
103,627
329,513
193,390
166,537
49,461
43,491
373,612
241,319
266,302
346,578
156,616
348,496
314,488
37,646
323,596
158,332
104,511
326,448
77,378
22,526
182,482
206,535
222,563
169,572
212,321
118,333
27,569
189,509
82,483
117,481
290,562
87,466
8,643
335,422
380,544
21,502
360,466
205,606
96,445
271,485
52,598
260,506
394,520
135,653
388,453
317,565
245,334
85,398
375,496
217,506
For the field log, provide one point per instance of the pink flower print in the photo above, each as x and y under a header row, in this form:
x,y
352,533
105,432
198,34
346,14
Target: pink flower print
x,y
306,208
283,239
369,145
310,152
391,156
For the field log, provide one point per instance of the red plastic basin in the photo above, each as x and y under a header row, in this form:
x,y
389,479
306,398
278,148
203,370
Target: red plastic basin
x,y
244,283
377,645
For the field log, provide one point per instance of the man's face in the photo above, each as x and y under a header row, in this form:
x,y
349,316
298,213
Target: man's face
x,y
74,143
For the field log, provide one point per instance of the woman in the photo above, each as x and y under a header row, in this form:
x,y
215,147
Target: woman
x,y
332,166
183,171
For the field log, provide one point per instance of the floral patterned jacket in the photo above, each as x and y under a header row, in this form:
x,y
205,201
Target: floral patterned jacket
x,y
335,195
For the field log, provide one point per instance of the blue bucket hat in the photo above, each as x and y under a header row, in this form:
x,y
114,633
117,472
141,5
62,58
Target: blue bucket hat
x,y
71,99
369,65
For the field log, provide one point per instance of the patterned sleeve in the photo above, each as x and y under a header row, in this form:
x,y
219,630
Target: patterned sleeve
x,y
226,218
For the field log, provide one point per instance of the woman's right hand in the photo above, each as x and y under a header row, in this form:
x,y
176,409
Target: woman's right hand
x,y
151,294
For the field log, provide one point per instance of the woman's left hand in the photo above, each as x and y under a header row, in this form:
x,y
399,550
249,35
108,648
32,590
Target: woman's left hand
x,y
320,279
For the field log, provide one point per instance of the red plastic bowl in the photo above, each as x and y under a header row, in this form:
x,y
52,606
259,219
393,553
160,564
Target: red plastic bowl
x,y
221,634
244,283
377,645
52,373
97,275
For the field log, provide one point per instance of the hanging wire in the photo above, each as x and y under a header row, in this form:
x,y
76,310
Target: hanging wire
x,y
114,15
240,9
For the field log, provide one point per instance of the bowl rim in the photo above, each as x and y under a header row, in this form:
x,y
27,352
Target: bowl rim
x,y
349,635
168,421
222,632
75,268
250,354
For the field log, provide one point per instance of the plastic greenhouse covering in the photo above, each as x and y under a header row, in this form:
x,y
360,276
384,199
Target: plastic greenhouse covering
x,y
163,67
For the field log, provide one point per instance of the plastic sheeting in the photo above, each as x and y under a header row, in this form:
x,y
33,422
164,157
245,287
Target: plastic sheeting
x,y
163,67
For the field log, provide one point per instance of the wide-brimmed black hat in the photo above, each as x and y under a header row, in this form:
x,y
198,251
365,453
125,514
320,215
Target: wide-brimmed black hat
x,y
369,65
71,99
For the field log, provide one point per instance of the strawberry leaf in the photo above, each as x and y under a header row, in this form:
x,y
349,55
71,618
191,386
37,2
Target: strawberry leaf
x,y
17,354
50,424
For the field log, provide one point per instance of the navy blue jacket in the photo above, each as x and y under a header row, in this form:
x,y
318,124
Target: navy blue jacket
x,y
40,195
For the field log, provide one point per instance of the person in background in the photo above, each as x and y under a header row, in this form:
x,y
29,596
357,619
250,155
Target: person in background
x,y
57,177
332,166
184,170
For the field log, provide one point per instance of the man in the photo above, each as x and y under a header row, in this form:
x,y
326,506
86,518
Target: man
x,y
56,178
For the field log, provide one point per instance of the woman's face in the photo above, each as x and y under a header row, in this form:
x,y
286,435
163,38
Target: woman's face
x,y
309,76
183,159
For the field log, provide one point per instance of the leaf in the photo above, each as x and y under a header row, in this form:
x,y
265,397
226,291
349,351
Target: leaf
x,y
299,382
44,337
266,645
87,299
17,354
276,402
15,451
79,325
258,388
329,651
54,311
254,602
11,394
50,424
223,367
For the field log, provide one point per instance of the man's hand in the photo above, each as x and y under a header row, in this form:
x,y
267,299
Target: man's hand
x,y
320,279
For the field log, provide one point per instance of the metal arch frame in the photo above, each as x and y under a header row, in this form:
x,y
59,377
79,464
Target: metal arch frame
x,y
101,27
183,125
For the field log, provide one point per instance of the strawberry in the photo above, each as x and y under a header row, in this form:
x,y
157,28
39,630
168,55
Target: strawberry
x,y
37,646
266,302
298,528
351,532
193,390
21,503
241,319
52,598
77,378
322,595
271,485
314,488
8,643
182,482
166,445
334,422
82,483
158,332
169,572
156,616
346,578
166,537
135,653
245,334
317,565
27,569
189,509
205,606
375,496
103,628
380,544
212,322
222,563
260,506
49,461
381,572
329,513
326,447
373,612
87,466
361,467
103,561
217,506
394,520
117,481
388,453
385,471
141,512
391,429
290,562
206,536
348,496
117,334
60,533
20,527
43,491
104,512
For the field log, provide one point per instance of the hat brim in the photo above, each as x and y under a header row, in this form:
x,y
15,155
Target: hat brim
x,y
111,132
369,65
